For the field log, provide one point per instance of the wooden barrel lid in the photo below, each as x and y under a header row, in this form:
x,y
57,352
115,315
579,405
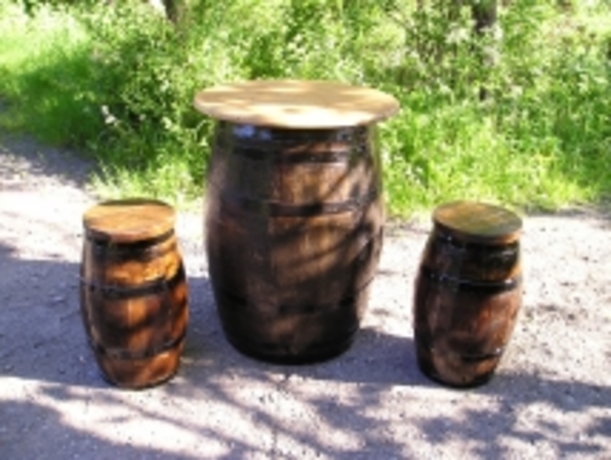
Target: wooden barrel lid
x,y
296,104
128,220
478,222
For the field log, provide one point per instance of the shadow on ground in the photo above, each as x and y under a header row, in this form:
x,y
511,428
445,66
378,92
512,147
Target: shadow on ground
x,y
371,402
45,162
45,344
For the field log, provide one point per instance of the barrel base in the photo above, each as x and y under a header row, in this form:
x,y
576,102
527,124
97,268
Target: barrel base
x,y
137,374
452,370
277,354
300,336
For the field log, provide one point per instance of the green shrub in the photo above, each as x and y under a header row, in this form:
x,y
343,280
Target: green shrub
x,y
47,76
520,115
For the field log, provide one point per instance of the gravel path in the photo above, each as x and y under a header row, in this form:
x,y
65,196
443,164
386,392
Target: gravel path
x,y
550,398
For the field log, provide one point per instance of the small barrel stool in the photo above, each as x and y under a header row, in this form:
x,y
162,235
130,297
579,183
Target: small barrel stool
x,y
134,296
468,292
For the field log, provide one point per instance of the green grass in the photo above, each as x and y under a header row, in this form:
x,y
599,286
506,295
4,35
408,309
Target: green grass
x,y
118,83
46,76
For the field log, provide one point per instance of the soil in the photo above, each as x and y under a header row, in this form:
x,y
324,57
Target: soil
x,y
549,398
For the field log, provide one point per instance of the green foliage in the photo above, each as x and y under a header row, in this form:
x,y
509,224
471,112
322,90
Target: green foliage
x,y
518,115
46,75
541,137
142,70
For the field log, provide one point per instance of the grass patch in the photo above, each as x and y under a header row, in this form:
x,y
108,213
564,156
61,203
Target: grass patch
x,y
47,76
119,81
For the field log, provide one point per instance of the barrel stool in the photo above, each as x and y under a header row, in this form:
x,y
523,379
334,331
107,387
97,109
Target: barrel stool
x,y
134,295
468,292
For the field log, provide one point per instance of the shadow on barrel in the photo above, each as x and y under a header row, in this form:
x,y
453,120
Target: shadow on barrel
x,y
294,224
134,294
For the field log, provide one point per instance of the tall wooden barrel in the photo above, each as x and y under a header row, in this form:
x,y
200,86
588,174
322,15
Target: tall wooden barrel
x,y
468,292
134,297
294,216
294,231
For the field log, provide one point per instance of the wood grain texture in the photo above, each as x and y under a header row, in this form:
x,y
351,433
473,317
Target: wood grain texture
x,y
128,220
297,104
293,237
134,295
478,222
468,292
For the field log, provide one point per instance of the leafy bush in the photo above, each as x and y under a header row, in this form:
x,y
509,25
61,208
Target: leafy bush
x,y
519,115
46,75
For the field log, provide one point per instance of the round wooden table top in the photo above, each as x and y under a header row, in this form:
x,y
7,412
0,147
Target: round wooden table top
x,y
129,220
296,104
478,222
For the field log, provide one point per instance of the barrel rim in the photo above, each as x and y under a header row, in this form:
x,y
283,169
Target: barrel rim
x,y
285,145
296,104
128,220
478,222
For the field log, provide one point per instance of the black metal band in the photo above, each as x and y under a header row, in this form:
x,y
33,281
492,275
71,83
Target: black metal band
x,y
275,209
111,291
227,131
104,243
125,354
287,309
461,244
292,145
427,343
472,285
328,155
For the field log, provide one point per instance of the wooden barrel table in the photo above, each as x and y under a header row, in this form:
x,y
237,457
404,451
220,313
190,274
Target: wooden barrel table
x,y
468,292
294,213
133,291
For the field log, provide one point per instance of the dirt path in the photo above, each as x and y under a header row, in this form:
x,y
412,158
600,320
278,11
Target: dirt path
x,y
550,398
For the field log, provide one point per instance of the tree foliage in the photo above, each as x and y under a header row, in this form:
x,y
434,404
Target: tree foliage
x,y
505,100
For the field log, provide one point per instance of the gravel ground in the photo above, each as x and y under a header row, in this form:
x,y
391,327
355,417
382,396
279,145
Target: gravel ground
x,y
550,397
